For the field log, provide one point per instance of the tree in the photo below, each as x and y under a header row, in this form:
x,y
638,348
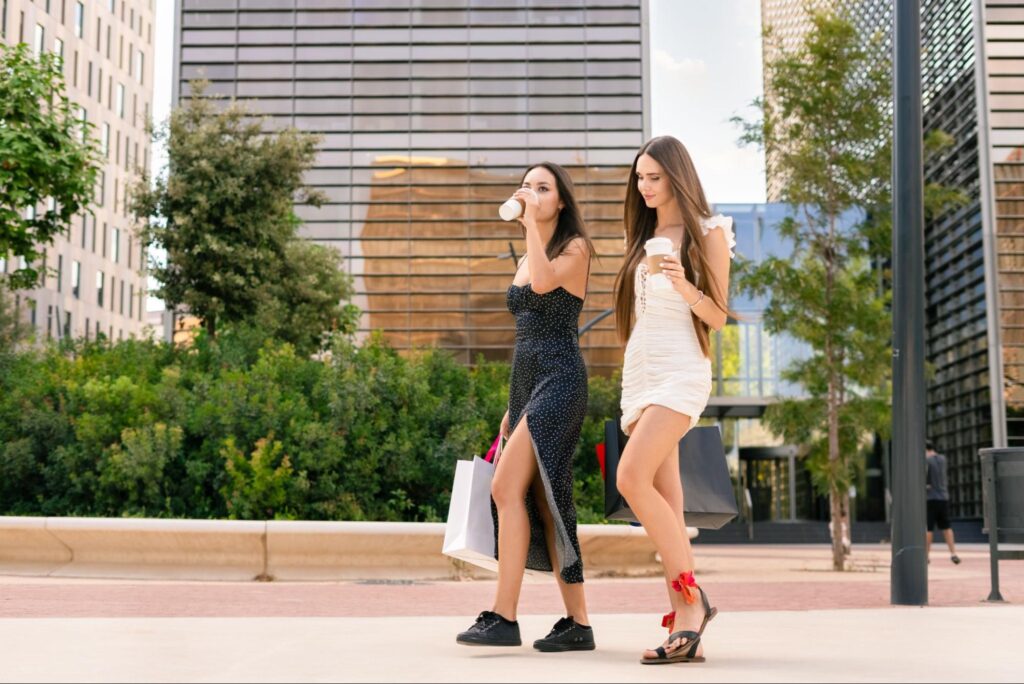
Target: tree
x,y
828,126
46,157
224,210
307,299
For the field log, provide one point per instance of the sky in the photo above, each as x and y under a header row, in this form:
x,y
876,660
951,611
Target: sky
x,y
705,69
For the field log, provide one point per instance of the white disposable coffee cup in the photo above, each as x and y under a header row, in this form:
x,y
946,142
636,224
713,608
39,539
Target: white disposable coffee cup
x,y
512,209
657,248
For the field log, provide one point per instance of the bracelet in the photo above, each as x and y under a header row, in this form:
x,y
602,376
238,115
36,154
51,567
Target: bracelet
x,y
699,299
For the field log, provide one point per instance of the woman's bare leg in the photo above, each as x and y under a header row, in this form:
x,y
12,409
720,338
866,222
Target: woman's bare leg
x,y
655,436
668,484
516,469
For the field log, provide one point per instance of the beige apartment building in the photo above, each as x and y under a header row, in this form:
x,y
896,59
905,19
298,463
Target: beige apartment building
x,y
96,282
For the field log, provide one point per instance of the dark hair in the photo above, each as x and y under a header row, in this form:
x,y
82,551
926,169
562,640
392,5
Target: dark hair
x,y
570,219
641,221
928,445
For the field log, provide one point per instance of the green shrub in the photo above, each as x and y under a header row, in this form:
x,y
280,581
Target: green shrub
x,y
247,428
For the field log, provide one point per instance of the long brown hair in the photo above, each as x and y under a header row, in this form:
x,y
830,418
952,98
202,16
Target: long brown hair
x,y
570,219
640,222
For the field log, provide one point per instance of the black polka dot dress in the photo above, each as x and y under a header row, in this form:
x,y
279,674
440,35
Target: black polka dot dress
x,y
548,389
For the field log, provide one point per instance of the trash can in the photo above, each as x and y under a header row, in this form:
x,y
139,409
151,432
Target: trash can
x,y
1002,474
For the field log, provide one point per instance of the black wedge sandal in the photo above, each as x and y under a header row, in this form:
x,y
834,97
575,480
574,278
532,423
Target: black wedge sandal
x,y
684,585
686,652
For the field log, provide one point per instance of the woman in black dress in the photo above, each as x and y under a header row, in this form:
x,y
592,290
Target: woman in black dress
x,y
535,517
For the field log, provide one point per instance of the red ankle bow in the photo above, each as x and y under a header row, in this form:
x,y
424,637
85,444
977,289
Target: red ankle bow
x,y
683,585
669,620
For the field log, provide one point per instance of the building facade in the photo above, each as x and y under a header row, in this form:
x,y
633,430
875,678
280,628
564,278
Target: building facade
x,y
429,114
973,90
95,282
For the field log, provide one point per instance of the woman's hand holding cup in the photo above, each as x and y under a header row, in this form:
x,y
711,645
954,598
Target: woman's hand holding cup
x,y
676,274
531,205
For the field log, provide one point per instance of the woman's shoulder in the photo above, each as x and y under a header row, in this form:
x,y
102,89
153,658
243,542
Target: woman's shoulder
x,y
577,245
723,223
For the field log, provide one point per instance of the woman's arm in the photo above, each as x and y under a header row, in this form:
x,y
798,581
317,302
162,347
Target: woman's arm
x,y
567,269
550,274
716,247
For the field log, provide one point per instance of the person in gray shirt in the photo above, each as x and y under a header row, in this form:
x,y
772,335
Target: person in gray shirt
x,y
938,501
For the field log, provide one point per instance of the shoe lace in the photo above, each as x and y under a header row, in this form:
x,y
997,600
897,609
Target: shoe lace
x,y
486,620
561,627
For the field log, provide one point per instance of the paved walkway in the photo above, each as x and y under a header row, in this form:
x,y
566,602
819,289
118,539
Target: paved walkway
x,y
785,616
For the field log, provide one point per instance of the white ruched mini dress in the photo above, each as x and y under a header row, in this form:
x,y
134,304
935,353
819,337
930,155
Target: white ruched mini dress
x,y
664,364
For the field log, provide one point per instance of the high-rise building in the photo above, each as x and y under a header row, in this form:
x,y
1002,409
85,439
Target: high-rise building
x,y
95,282
973,89
430,113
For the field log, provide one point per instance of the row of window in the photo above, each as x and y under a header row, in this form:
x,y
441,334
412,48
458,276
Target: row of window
x,y
318,68
405,53
116,297
347,35
110,243
510,17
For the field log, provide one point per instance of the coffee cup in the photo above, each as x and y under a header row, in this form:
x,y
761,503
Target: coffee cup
x,y
657,249
512,209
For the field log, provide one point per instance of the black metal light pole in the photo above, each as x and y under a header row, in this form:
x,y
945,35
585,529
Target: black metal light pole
x,y
909,573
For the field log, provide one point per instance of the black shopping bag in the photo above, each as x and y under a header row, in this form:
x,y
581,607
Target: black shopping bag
x,y
709,500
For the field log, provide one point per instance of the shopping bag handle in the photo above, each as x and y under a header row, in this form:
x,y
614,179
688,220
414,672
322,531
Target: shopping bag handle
x,y
494,453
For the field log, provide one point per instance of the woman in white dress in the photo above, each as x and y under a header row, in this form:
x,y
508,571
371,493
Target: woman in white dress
x,y
666,379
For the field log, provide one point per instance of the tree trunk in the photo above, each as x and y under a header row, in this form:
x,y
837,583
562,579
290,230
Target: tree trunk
x,y
211,326
836,529
838,521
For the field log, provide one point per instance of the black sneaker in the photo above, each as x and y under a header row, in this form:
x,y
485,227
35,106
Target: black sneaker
x,y
566,635
491,629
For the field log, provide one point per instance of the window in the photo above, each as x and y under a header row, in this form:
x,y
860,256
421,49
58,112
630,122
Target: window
x,y
113,289
110,38
74,75
88,89
76,279
83,119
3,19
140,62
122,299
79,17
131,299
105,140
113,3
101,190
120,53
85,228
100,281
115,245
104,252
58,48
67,324
120,100
60,273
39,46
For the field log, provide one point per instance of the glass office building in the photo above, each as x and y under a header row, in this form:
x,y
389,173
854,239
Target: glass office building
x,y
430,111
973,81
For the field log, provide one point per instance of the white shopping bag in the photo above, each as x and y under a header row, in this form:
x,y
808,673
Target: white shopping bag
x,y
469,531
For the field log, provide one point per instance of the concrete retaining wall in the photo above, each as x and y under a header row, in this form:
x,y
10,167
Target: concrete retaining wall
x,y
132,548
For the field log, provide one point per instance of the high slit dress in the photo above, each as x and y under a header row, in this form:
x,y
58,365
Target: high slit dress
x,y
548,389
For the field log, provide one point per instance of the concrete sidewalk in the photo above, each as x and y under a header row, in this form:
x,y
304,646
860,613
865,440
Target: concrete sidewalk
x,y
909,644
785,617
